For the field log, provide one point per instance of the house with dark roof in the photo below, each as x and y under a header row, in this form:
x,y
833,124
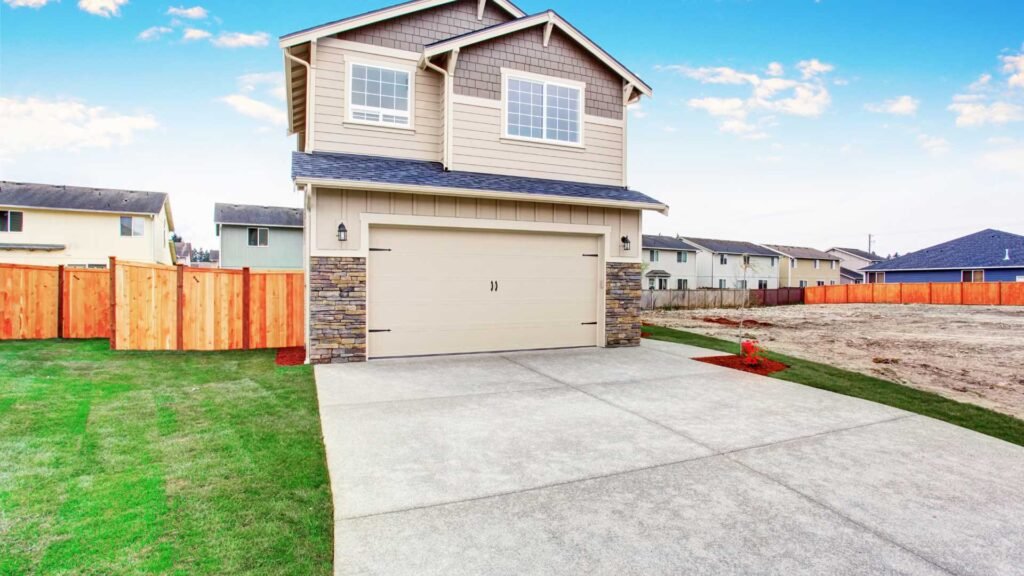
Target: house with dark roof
x,y
734,264
801,267
259,237
986,256
463,167
183,253
669,263
853,260
48,224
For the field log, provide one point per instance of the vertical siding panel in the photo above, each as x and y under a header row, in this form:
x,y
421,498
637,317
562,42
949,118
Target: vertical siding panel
x,y
506,210
526,211
544,212
487,209
563,213
595,216
424,205
466,208
401,203
379,202
445,206
579,215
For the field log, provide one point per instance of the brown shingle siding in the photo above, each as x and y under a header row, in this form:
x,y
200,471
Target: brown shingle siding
x,y
415,30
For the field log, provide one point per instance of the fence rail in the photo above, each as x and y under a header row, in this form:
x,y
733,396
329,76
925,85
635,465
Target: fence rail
x,y
950,293
154,307
719,298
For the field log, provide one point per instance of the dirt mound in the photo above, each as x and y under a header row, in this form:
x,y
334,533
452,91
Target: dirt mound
x,y
736,323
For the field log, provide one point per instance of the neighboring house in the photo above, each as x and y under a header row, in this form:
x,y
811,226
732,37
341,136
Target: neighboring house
x,y
183,253
801,267
83,227
213,262
669,263
734,264
847,276
854,260
463,166
259,236
986,256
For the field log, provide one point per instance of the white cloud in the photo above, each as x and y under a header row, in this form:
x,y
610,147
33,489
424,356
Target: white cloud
x,y
1014,66
193,13
901,106
153,32
934,145
241,40
981,83
970,114
808,100
813,67
713,75
191,34
272,81
637,111
105,8
27,3
253,108
729,107
30,124
1005,160
775,69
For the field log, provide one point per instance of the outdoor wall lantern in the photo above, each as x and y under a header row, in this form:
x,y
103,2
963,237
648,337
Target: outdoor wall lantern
x,y
342,232
625,243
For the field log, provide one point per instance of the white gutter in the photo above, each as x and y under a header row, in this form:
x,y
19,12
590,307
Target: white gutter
x,y
446,150
310,71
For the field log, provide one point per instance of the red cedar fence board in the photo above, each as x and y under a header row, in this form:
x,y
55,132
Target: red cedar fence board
x,y
86,306
28,302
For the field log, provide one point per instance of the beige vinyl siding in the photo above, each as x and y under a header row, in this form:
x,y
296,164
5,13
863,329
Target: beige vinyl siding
x,y
333,206
334,133
479,146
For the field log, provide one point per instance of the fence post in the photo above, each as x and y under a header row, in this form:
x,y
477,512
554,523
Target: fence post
x,y
961,292
930,299
246,307
180,308
113,303
999,290
60,301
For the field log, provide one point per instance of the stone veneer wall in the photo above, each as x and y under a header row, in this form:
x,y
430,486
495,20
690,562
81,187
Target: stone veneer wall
x,y
622,304
337,309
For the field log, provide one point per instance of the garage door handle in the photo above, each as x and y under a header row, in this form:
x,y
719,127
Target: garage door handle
x,y
496,286
492,285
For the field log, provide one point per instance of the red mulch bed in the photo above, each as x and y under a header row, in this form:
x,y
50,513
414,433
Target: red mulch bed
x,y
765,368
728,322
291,356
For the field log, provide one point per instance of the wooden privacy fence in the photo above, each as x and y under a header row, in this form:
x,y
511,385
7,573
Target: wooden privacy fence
x,y
718,298
965,293
153,307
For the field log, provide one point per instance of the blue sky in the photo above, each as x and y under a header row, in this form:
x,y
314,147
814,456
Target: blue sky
x,y
785,121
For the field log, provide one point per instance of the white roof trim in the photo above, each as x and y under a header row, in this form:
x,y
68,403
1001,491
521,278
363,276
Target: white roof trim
x,y
548,17
378,16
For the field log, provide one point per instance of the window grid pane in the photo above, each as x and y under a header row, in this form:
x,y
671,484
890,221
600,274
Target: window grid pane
x,y
138,226
543,111
4,219
126,225
380,95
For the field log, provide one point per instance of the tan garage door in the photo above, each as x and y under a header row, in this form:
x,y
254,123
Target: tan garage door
x,y
442,291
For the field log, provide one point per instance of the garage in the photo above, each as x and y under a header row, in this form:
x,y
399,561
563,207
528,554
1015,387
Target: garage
x,y
449,290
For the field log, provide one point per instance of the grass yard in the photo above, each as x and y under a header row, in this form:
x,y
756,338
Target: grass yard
x,y
867,387
159,462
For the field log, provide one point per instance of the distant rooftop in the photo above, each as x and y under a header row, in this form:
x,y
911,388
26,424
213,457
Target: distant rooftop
x,y
861,254
730,246
61,197
985,249
246,214
667,243
802,253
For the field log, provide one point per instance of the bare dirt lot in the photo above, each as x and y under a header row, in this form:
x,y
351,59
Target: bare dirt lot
x,y
972,354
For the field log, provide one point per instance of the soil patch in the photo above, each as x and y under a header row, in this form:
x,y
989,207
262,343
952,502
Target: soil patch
x,y
291,356
765,368
738,323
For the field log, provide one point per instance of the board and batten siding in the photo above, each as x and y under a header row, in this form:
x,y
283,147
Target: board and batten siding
x,y
334,205
479,146
333,132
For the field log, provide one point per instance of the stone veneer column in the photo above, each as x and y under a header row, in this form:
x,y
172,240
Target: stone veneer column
x,y
622,304
337,309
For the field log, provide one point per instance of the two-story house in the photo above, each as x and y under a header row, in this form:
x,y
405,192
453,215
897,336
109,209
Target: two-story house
x,y
53,225
264,237
669,263
734,264
851,263
463,166
801,267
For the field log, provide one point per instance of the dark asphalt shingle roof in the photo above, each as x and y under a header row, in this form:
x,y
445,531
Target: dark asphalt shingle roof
x,y
852,274
802,253
985,249
861,254
40,247
376,169
80,198
658,274
667,243
262,215
730,246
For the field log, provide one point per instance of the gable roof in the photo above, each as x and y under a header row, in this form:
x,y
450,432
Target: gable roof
x,y
870,256
374,16
666,243
182,250
60,197
730,246
373,172
550,18
801,253
247,214
851,274
985,249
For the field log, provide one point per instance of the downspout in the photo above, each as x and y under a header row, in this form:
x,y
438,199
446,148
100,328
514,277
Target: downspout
x,y
309,94
446,153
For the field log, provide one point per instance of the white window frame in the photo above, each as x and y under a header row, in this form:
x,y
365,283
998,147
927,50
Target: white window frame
x,y
832,264
508,73
723,259
662,283
141,233
792,263
803,284
650,283
257,229
721,283
653,255
681,257
817,264
762,284
350,108
8,230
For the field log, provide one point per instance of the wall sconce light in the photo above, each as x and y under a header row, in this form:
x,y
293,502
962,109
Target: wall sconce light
x,y
625,243
342,232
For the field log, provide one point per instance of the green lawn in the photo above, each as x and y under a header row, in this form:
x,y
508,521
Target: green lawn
x,y
875,389
159,462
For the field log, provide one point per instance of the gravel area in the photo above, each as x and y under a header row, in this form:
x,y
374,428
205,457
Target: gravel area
x,y
971,354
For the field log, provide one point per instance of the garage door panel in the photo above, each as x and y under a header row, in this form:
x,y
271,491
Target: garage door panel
x,y
433,291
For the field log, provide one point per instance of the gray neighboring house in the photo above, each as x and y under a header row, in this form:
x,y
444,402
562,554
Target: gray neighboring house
x,y
259,237
853,261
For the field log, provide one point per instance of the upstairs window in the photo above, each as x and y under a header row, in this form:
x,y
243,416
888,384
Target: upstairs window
x,y
132,226
543,110
681,256
11,220
723,259
259,237
379,95
653,256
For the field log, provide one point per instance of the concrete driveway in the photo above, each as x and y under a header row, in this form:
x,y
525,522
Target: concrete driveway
x,y
643,461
